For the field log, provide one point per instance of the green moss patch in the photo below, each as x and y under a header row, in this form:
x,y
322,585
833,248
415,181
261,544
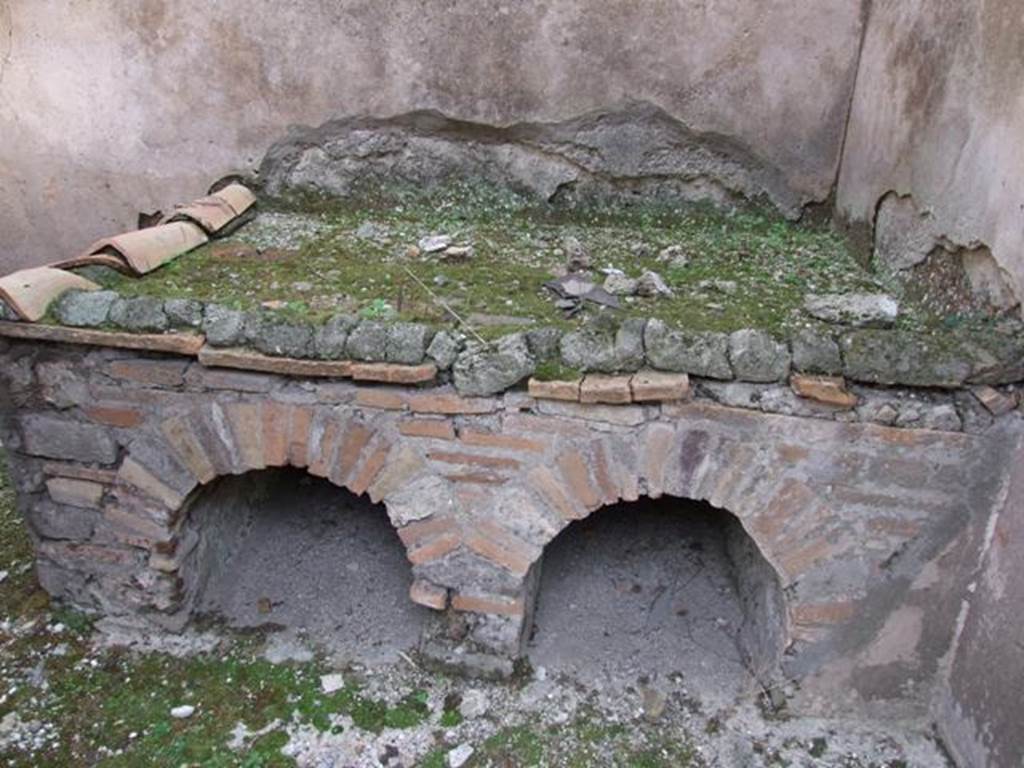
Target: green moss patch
x,y
311,259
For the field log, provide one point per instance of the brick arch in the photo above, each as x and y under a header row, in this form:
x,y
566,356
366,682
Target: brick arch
x,y
360,452
475,533
666,459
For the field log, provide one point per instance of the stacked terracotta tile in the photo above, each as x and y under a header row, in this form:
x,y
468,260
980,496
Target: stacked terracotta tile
x,y
30,292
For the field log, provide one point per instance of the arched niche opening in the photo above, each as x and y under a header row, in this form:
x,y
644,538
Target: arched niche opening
x,y
660,588
281,549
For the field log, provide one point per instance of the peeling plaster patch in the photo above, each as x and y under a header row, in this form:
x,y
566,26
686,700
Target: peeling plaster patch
x,y
913,245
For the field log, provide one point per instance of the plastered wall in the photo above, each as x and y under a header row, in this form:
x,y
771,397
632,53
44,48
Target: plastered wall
x,y
108,107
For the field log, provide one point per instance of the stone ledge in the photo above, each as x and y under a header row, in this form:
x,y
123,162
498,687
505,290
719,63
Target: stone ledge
x,y
389,373
245,360
177,343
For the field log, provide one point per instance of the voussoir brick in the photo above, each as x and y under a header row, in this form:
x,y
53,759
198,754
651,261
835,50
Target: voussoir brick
x,y
500,546
417,532
577,479
246,422
188,448
604,474
371,467
554,493
657,444
137,476
354,439
404,464
276,428
323,449
298,435
434,549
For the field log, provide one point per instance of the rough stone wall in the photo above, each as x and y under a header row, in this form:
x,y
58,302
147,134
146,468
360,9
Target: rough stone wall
x,y
866,527
933,146
978,707
114,107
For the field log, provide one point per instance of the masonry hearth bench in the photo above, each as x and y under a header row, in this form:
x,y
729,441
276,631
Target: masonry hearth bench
x,y
861,457
860,524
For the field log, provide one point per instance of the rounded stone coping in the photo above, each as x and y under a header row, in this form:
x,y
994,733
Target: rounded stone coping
x,y
886,357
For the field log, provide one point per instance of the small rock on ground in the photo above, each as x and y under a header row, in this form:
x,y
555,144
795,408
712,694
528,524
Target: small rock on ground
x,y
332,682
459,756
856,309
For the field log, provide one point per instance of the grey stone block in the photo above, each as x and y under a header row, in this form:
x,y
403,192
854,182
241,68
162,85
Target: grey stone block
x,y
143,313
488,370
756,356
544,342
56,521
407,343
942,417
279,338
64,439
368,341
605,349
85,308
443,349
329,339
698,353
152,453
816,352
223,327
184,313
915,360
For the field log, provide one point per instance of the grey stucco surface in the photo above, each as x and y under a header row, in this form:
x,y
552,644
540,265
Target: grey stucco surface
x,y
110,108
978,707
937,116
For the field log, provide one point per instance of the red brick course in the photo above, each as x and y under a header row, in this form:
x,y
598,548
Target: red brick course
x,y
122,417
432,428
153,373
511,442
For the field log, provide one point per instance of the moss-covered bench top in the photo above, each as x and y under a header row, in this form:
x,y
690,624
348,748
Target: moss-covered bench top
x,y
743,295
